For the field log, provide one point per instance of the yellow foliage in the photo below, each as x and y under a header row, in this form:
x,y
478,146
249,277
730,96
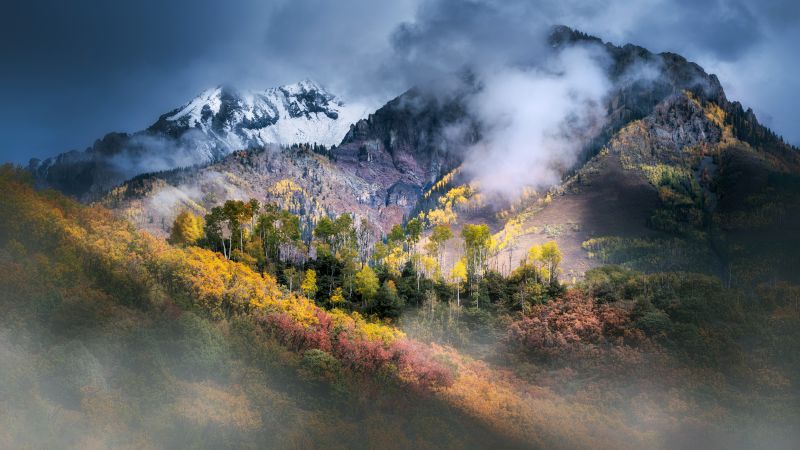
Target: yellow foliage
x,y
449,202
395,260
187,229
444,216
309,284
444,181
459,272
191,275
286,191
337,297
431,266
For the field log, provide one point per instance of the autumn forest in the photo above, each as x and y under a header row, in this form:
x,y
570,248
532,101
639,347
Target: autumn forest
x,y
475,228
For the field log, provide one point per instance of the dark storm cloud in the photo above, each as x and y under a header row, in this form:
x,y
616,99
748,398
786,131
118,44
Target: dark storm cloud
x,y
71,71
449,39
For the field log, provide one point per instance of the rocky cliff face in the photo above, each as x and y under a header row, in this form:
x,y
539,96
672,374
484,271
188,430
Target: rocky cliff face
x,y
306,183
422,135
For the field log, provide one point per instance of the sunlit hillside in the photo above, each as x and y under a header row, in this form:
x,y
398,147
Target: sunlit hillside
x,y
115,338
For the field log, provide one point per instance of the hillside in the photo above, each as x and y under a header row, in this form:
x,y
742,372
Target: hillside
x,y
675,190
114,338
132,343
312,184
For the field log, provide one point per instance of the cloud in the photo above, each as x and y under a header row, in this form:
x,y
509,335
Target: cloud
x,y
749,45
71,73
535,121
535,107
145,153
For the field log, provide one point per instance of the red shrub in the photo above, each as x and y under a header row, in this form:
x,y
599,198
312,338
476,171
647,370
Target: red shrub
x,y
571,325
415,362
412,360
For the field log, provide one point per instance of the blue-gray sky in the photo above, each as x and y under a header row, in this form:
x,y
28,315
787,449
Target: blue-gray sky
x,y
72,71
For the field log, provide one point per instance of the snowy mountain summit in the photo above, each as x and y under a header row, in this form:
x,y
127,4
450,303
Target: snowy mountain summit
x,y
213,124
233,119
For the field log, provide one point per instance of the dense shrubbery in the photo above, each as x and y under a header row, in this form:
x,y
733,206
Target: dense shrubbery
x,y
568,327
337,336
692,317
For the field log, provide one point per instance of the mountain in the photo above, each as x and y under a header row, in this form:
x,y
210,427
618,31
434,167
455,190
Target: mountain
x,y
392,156
402,161
307,183
205,129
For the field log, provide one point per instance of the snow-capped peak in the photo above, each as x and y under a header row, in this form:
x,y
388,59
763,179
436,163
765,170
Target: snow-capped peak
x,y
288,114
304,85
210,97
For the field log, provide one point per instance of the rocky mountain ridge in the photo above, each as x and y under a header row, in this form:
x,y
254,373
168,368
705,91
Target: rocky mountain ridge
x,y
389,159
215,123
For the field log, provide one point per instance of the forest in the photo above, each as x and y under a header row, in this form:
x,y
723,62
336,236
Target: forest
x,y
247,329
340,264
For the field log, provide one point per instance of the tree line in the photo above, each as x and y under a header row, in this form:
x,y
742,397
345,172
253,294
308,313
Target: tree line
x,y
346,263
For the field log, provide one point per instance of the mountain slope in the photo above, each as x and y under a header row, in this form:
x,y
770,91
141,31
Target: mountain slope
x,y
677,191
210,126
298,179
115,338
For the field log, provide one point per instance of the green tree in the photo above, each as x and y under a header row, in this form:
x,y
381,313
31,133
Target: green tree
x,y
324,231
439,235
333,235
413,232
215,230
344,233
477,239
253,207
396,234
348,256
387,302
237,213
279,231
379,253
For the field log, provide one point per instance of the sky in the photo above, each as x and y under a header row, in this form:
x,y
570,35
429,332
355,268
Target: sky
x,y
72,71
